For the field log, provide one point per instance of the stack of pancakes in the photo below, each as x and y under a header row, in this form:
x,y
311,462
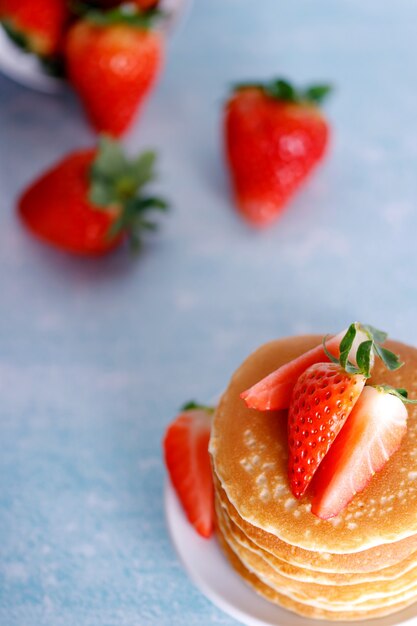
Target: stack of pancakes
x,y
358,565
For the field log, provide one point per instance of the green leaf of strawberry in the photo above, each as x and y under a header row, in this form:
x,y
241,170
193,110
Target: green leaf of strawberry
x,y
117,181
365,352
192,405
364,357
132,17
390,360
400,393
346,345
281,89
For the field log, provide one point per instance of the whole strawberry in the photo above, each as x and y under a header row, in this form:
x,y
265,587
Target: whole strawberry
x,y
274,136
113,59
36,25
91,200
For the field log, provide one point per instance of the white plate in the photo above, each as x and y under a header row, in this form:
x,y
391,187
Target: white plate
x,y
212,574
26,69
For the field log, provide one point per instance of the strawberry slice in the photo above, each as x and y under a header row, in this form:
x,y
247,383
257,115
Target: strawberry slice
x,y
371,435
273,392
188,462
322,400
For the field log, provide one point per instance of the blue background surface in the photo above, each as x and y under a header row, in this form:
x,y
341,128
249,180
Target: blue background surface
x,y
96,356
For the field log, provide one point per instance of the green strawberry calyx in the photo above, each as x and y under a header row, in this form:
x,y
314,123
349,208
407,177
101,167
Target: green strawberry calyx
x,y
400,393
117,183
284,91
18,38
366,351
128,14
192,405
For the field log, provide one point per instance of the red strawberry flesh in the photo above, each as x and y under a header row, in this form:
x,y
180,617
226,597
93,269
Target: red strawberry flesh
x,y
188,462
371,435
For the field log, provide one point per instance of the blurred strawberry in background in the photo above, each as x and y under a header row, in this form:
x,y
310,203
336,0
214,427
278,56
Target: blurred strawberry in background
x,y
109,50
92,200
35,25
113,59
274,137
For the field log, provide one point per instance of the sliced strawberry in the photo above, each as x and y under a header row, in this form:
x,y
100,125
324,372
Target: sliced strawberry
x,y
371,435
273,392
188,462
322,400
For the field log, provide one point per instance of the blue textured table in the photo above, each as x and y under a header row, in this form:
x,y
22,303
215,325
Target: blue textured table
x,y
96,356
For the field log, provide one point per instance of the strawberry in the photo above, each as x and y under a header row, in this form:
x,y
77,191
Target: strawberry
x,y
371,435
113,59
322,399
36,26
273,392
91,200
188,462
146,5
274,136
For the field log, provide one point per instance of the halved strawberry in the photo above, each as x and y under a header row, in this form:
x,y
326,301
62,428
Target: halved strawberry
x,y
371,435
322,399
188,462
273,392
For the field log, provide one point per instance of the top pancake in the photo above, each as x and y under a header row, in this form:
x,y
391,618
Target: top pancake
x,y
249,452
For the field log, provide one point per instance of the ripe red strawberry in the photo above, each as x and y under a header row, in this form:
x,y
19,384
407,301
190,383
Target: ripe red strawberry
x,y
188,462
371,435
274,137
273,392
113,59
322,400
35,25
146,5
91,200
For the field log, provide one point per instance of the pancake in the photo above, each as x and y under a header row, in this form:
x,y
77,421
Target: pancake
x,y
297,607
249,455
294,572
358,565
364,561
342,596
